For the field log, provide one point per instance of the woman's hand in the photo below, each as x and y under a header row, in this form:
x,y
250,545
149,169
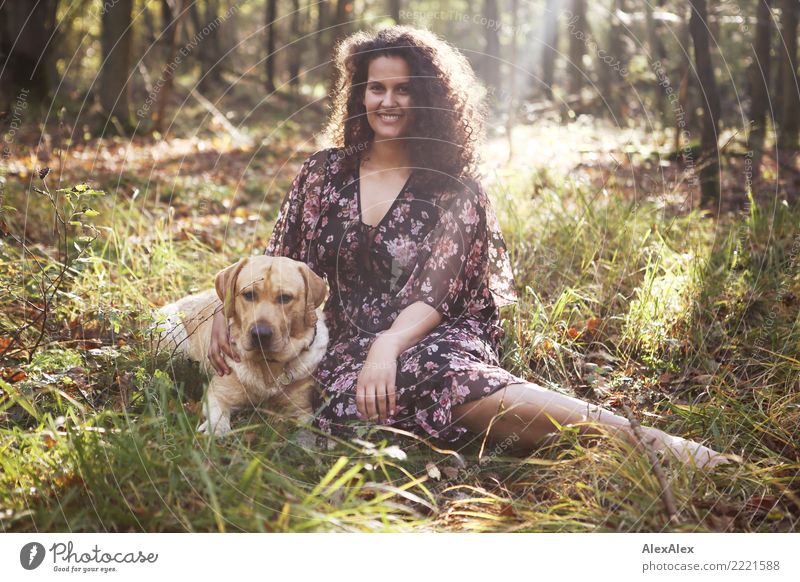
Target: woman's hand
x,y
220,343
375,388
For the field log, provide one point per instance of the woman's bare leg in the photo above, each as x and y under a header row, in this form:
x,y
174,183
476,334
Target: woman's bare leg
x,y
522,409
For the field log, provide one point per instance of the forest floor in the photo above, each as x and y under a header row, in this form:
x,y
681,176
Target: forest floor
x,y
630,295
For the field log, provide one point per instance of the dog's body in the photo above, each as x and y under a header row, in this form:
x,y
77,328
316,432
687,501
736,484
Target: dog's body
x,y
276,326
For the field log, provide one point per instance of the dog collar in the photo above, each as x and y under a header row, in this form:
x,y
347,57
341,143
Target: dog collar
x,y
286,376
305,349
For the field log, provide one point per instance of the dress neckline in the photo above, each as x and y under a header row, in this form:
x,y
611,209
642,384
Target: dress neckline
x,y
391,207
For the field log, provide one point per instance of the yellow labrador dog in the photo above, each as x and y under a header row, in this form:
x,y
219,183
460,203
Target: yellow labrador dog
x,y
277,326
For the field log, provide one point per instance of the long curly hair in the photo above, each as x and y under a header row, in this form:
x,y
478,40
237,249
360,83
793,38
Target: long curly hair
x,y
449,113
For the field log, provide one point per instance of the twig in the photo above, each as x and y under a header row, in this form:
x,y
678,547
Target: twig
x,y
666,492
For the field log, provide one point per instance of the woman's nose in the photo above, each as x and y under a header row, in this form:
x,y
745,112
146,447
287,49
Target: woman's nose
x,y
389,99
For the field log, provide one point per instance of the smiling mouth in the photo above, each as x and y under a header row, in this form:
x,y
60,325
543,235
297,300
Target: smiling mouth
x,y
389,116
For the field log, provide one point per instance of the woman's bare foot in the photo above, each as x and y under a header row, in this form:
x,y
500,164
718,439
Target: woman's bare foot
x,y
687,451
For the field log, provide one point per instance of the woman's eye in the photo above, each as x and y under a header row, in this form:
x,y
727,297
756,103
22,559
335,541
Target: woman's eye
x,y
284,298
249,295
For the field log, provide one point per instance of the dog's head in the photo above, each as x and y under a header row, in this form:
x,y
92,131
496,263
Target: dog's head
x,y
272,301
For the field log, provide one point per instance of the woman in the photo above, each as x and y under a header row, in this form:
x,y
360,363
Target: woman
x,y
405,235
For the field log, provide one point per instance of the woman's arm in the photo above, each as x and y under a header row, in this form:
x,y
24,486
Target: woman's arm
x,y
375,387
412,324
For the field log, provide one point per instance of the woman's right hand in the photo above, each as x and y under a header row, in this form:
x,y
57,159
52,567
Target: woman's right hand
x,y
220,343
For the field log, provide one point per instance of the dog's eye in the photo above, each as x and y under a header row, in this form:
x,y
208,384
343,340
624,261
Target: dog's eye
x,y
249,295
284,298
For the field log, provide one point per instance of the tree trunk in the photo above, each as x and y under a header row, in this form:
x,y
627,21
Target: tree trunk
x,y
790,97
550,48
394,10
169,69
609,77
709,162
321,38
26,49
759,80
683,115
579,32
296,48
167,17
272,13
344,16
512,81
656,55
210,73
491,58
117,41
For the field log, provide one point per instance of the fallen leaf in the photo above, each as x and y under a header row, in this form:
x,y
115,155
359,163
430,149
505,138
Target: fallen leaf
x,y
433,471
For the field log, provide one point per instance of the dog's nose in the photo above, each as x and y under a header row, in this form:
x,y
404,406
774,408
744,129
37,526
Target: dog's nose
x,y
261,333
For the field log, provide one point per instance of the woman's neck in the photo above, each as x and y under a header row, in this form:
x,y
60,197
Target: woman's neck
x,y
387,154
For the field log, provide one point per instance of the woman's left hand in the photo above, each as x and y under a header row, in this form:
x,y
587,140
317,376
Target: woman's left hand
x,y
375,388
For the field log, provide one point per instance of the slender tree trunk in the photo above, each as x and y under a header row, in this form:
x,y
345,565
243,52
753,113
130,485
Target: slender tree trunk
x,y
272,14
27,49
321,38
790,97
683,115
491,59
550,48
116,41
656,54
344,17
394,10
759,80
709,164
579,32
167,17
512,81
169,68
609,78
296,49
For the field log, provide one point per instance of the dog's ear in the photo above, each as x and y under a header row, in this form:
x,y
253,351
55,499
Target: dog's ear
x,y
316,288
225,284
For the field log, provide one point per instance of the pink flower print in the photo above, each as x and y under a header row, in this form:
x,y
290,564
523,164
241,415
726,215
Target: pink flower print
x,y
411,365
403,250
469,215
445,248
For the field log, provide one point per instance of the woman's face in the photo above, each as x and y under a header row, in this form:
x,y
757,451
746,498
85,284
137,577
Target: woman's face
x,y
387,97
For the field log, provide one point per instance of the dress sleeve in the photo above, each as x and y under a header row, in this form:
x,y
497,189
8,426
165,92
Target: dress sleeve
x,y
463,263
299,211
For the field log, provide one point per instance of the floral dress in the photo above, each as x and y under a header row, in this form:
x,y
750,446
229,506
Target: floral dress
x,y
445,250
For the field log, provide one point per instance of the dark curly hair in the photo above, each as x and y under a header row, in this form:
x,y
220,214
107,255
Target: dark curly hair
x,y
449,114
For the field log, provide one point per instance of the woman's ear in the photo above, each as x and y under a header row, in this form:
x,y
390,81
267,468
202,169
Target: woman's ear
x,y
316,289
225,284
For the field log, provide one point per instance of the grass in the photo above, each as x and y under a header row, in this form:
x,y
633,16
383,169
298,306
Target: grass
x,y
689,320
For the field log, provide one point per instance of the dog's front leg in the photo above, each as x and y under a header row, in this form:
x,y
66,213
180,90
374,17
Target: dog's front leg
x,y
217,413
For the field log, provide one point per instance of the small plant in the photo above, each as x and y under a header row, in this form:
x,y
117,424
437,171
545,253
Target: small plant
x,y
75,234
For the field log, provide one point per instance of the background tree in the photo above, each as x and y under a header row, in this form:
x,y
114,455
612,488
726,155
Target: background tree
x,y
709,163
26,45
116,40
271,33
579,32
550,45
491,58
790,87
759,79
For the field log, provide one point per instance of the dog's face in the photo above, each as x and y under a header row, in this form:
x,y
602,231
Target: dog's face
x,y
272,302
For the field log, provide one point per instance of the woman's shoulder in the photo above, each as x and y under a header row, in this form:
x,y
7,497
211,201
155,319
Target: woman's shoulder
x,y
462,191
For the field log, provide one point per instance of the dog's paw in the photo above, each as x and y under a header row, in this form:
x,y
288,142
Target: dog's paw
x,y
221,428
